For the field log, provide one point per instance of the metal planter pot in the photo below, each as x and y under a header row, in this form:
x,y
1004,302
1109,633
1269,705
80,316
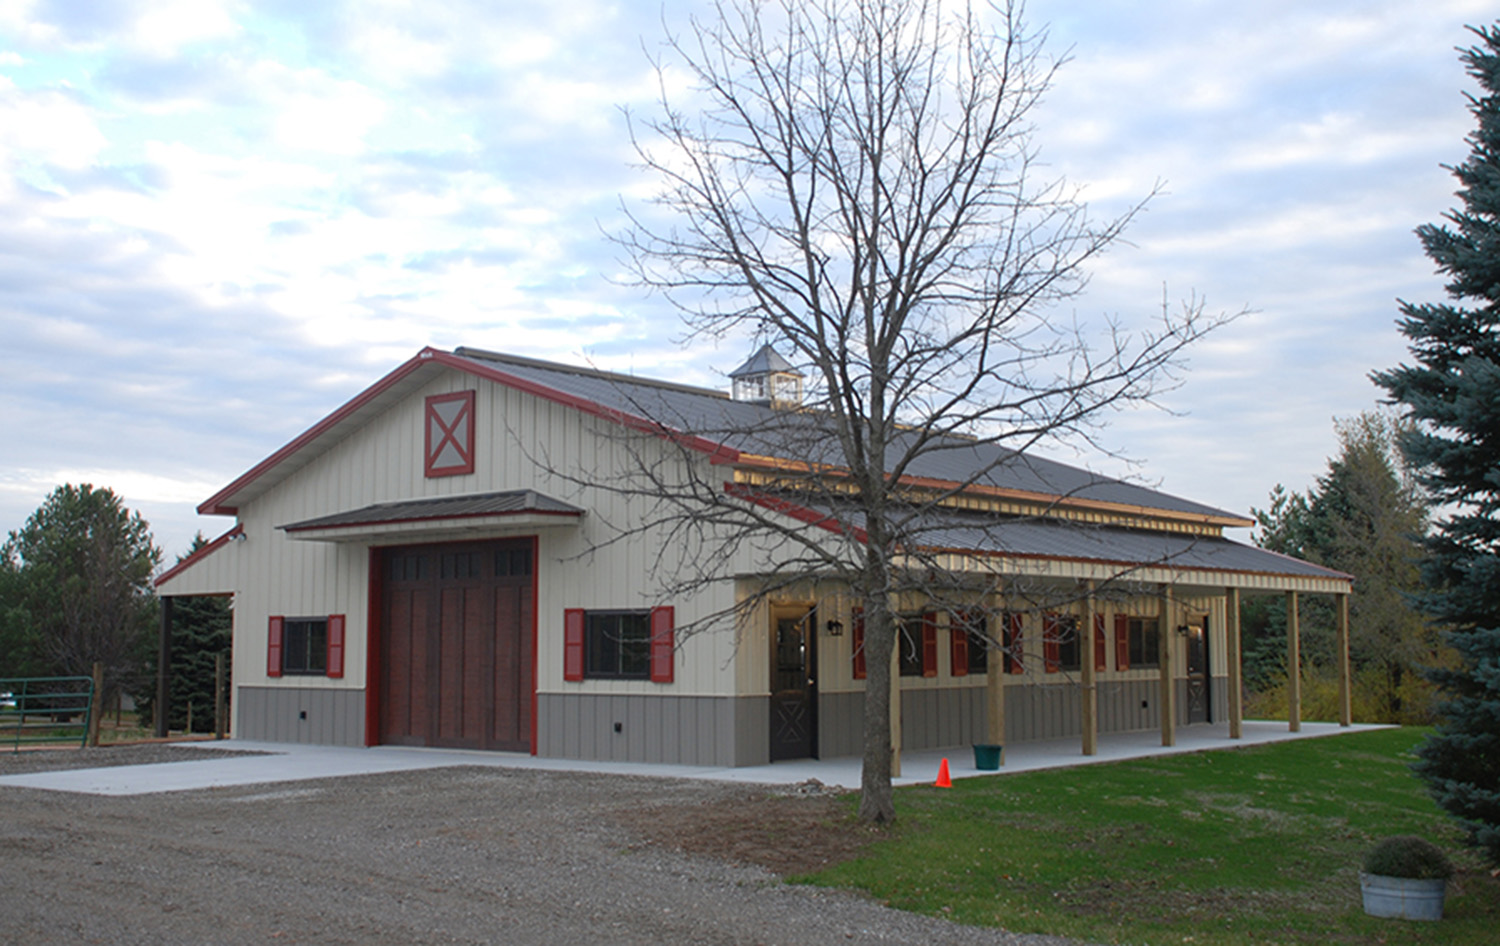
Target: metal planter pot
x,y
1403,897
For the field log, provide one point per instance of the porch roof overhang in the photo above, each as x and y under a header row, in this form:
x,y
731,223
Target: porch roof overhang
x,y
1054,548
1045,547
442,517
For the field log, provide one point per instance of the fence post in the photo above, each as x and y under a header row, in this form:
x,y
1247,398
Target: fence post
x,y
162,707
219,696
98,694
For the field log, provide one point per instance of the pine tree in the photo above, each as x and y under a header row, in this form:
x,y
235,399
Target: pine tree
x,y
79,587
1453,394
1364,518
200,632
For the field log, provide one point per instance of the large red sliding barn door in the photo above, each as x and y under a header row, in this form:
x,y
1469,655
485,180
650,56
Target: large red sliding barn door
x,y
456,645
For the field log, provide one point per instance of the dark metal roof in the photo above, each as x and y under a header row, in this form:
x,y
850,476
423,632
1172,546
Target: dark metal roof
x,y
939,529
1054,538
805,435
473,505
764,361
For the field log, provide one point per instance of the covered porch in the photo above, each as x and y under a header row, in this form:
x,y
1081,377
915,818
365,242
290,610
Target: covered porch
x,y
1219,572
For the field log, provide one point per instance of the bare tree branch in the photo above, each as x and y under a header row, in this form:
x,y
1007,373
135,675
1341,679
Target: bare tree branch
x,y
857,182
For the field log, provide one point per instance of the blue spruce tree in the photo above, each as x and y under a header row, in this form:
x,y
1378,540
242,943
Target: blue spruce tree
x,y
1453,392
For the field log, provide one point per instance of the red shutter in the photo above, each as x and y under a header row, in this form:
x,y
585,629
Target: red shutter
x,y
1017,649
857,636
663,648
1101,647
1122,642
929,644
335,645
273,646
958,644
1051,652
573,644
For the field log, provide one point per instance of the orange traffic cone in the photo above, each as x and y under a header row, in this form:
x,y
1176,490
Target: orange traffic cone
x,y
943,780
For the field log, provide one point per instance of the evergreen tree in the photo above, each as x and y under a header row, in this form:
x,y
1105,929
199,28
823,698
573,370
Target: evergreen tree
x,y
79,576
1453,394
20,644
201,628
1281,528
1363,517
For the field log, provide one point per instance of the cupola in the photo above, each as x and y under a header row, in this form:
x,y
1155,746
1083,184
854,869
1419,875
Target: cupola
x,y
767,378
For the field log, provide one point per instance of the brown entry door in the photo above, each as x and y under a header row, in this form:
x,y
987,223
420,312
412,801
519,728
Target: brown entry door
x,y
794,721
456,645
1197,674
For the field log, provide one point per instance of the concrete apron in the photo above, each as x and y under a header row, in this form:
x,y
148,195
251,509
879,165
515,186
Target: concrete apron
x,y
283,762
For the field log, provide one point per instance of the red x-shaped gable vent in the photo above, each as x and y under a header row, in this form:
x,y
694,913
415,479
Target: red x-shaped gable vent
x,y
450,434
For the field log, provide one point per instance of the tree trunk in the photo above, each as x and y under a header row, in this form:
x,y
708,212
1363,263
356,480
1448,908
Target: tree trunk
x,y
877,803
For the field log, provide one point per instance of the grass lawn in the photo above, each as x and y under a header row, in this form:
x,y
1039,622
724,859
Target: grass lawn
x,y
1256,845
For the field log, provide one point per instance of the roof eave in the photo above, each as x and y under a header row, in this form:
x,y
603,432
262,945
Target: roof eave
x,y
1223,520
226,502
197,556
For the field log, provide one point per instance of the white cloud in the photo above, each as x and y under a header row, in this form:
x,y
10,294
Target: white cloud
x,y
163,27
271,209
317,113
46,127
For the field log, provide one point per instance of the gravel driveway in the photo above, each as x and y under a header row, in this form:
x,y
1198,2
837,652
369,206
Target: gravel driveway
x,y
457,855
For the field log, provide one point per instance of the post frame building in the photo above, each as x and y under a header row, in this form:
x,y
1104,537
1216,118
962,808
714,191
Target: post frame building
x,y
441,562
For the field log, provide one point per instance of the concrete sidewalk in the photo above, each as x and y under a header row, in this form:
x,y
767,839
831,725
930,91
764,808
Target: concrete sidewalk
x,y
283,762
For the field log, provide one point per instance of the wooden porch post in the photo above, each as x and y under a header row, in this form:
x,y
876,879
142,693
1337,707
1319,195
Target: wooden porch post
x,y
1341,656
1293,665
221,708
1089,695
896,706
1168,697
994,692
1232,653
163,667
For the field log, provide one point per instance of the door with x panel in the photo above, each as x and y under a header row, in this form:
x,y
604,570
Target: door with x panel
x,y
1199,707
794,693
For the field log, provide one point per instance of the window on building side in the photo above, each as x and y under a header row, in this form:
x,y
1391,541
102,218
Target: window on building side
x,y
975,628
1060,643
909,645
617,644
304,647
1011,642
1145,643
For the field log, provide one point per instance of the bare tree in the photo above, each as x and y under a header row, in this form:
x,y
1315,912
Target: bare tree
x,y
857,182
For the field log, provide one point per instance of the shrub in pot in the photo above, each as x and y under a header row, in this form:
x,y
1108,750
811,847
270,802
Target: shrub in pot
x,y
1405,876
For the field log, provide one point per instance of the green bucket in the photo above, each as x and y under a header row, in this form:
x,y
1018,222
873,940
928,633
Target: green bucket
x,y
987,757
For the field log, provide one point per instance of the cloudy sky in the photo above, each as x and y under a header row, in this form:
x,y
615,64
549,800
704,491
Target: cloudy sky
x,y
219,220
